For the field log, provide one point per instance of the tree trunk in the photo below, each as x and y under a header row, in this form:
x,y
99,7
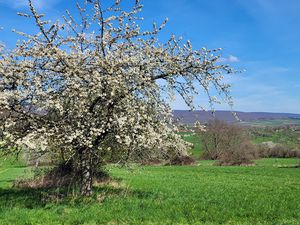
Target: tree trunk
x,y
86,173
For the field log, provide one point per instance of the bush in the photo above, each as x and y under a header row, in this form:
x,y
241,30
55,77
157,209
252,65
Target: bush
x,y
274,150
182,160
227,143
238,154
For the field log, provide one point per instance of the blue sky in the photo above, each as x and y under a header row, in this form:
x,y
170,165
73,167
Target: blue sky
x,y
261,37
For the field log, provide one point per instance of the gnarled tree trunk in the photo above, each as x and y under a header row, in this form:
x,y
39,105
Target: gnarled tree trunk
x,y
86,182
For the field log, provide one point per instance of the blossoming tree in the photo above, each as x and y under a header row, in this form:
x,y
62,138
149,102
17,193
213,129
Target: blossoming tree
x,y
97,88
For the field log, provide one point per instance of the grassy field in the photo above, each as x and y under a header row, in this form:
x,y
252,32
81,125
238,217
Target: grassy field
x,y
272,123
287,138
193,138
268,193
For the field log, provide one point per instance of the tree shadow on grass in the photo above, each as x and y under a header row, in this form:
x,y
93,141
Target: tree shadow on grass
x,y
289,166
124,192
33,198
25,198
4,181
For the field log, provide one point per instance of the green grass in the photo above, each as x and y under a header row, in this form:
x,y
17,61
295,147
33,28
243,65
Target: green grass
x,y
287,138
272,123
193,138
268,193
10,169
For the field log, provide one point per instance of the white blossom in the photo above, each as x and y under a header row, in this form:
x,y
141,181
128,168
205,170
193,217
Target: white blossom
x,y
102,86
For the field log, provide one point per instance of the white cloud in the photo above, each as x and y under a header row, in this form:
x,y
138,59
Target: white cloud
x,y
20,4
229,59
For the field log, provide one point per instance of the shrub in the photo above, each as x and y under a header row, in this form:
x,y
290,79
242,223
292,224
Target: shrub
x,y
238,154
274,150
227,143
182,160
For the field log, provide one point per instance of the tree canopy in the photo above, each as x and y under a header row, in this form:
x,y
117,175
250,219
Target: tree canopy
x,y
98,88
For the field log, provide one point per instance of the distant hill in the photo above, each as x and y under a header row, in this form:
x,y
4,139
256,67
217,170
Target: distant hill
x,y
190,117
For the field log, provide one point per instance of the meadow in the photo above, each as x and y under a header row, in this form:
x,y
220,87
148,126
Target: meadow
x,y
268,193
288,138
285,137
197,147
272,122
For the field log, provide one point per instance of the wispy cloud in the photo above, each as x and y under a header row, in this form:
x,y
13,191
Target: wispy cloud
x,y
20,4
230,59
266,88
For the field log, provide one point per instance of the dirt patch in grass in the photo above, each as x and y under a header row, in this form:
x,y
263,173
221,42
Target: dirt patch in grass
x,y
182,161
62,176
152,162
220,163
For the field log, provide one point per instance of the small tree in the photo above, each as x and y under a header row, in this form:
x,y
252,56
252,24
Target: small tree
x,y
227,143
86,90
